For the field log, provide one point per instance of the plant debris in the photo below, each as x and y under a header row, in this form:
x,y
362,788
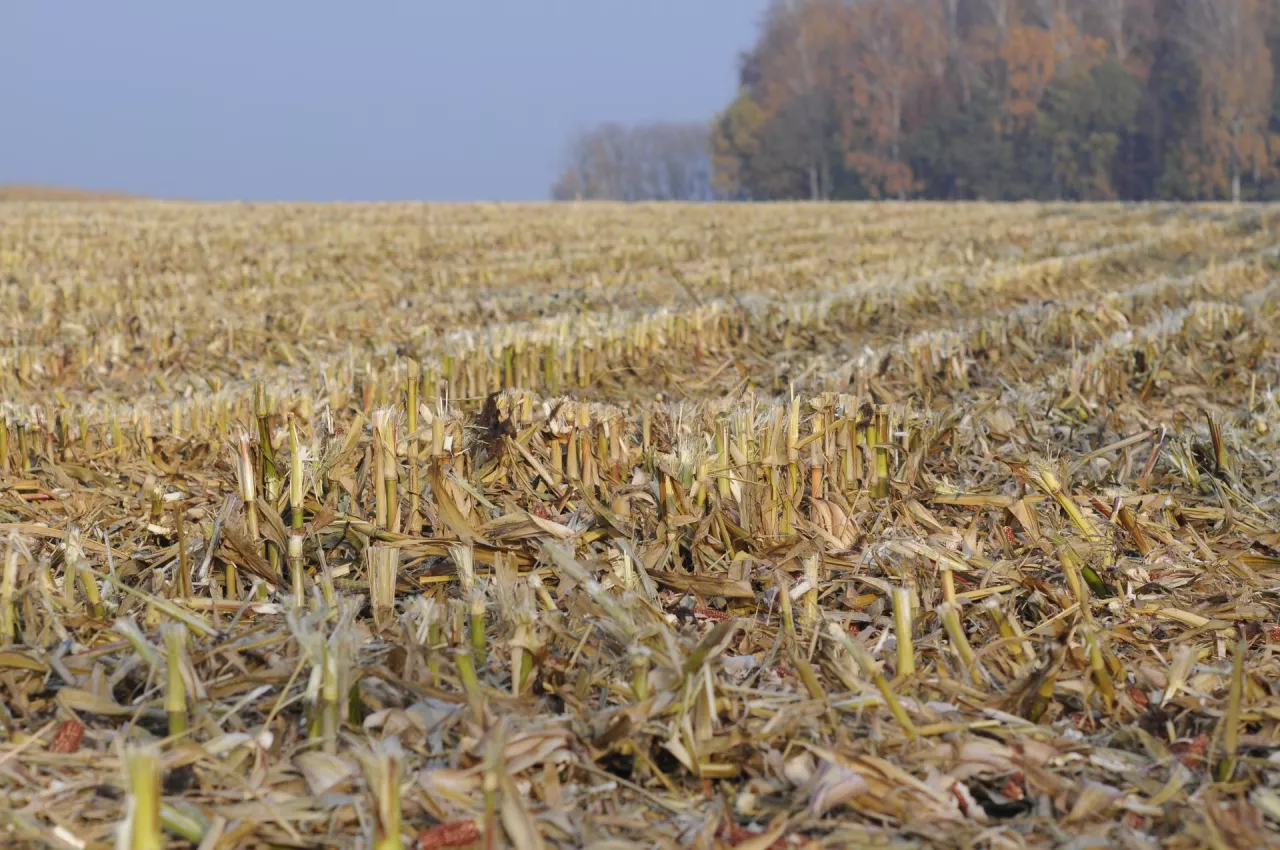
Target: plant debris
x,y
627,526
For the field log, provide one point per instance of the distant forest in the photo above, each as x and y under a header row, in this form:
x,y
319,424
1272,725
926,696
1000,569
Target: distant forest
x,y
972,99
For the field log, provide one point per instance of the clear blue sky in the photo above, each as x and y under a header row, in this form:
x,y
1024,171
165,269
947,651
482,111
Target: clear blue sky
x,y
345,99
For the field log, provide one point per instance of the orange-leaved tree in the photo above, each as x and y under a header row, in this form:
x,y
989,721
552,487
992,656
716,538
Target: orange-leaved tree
x,y
898,46
1227,39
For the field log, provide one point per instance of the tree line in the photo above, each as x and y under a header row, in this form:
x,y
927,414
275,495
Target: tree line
x,y
660,161
974,99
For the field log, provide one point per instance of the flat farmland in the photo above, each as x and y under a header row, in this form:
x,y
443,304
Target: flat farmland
x,y
761,526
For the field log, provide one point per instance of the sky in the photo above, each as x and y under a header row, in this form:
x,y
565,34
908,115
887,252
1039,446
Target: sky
x,y
444,100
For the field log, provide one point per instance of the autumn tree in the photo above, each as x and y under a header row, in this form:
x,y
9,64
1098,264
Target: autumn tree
x,y
789,89
738,152
895,51
1227,40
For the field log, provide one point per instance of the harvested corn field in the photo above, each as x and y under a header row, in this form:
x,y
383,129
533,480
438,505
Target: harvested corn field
x,y
639,526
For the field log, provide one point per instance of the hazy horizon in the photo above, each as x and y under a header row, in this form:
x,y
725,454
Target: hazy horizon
x,y
328,102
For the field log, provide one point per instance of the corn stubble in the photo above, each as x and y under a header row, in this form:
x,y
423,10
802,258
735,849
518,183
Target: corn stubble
x,y
737,526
